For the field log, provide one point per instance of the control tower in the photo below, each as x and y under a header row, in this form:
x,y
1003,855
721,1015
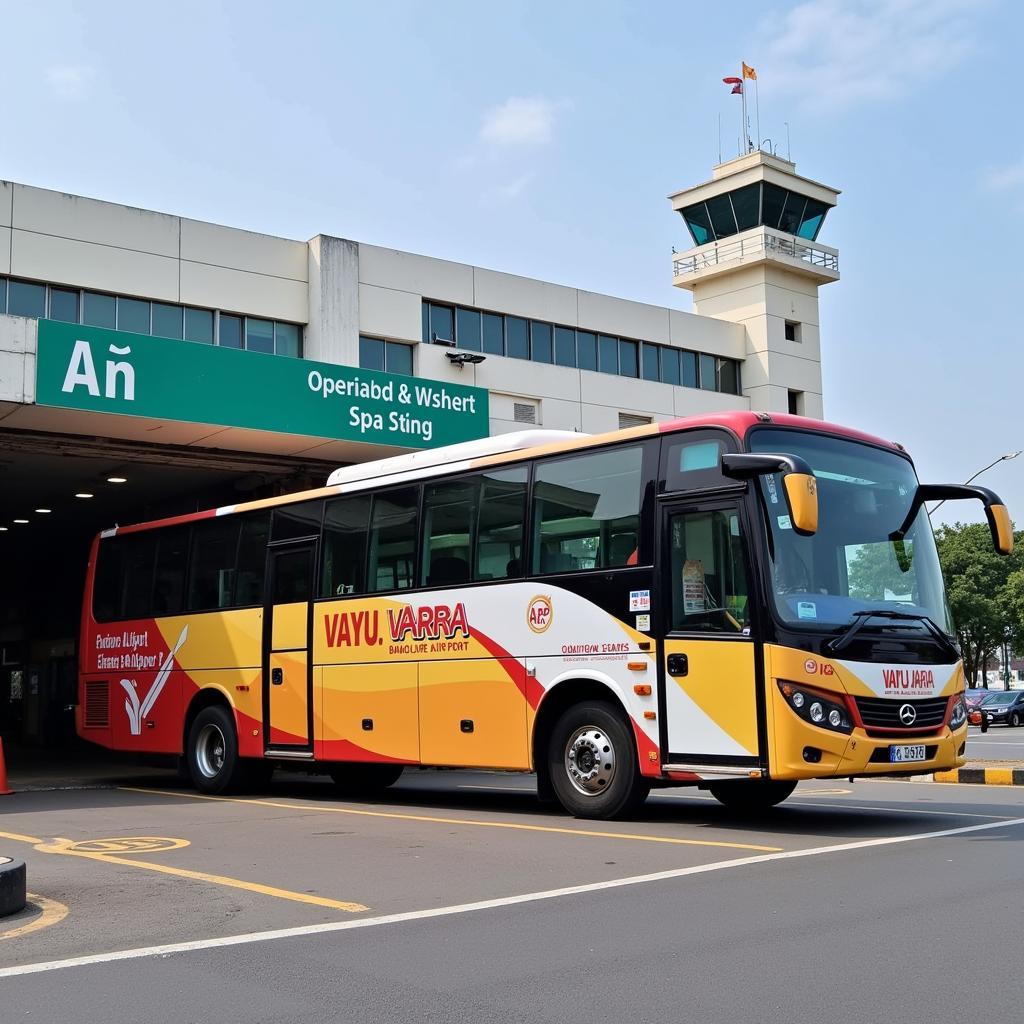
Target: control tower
x,y
757,261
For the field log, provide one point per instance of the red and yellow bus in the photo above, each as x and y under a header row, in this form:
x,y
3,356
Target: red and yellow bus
x,y
735,601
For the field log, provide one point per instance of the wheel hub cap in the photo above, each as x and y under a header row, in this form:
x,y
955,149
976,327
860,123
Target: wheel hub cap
x,y
210,751
590,760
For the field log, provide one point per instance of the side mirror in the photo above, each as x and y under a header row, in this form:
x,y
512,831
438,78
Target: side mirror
x,y
798,484
996,512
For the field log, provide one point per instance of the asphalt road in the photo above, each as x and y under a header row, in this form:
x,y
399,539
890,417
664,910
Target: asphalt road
x,y
457,898
1000,742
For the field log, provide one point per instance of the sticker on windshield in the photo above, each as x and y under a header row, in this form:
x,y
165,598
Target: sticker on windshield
x,y
643,623
806,610
639,600
785,523
773,494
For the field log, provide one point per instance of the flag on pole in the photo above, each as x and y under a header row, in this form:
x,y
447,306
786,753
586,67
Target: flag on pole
x,y
737,90
748,71
736,83
732,80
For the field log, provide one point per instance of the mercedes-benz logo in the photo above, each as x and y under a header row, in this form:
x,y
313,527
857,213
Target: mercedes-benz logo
x,y
908,714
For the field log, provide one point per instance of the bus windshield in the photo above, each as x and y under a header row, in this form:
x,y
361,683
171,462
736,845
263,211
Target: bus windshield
x,y
852,564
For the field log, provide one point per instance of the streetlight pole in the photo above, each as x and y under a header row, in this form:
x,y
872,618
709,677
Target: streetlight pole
x,y
1002,458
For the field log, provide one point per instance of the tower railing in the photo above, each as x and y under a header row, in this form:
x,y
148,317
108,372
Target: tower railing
x,y
751,244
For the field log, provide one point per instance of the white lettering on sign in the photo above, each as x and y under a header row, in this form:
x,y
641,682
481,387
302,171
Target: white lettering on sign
x,y
81,372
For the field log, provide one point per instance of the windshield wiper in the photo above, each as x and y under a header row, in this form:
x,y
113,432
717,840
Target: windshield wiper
x,y
861,618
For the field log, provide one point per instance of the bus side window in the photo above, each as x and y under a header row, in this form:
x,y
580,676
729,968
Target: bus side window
x,y
449,510
252,560
393,540
499,545
169,579
211,570
586,510
344,549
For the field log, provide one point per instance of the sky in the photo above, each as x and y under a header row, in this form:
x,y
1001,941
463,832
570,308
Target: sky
x,y
542,138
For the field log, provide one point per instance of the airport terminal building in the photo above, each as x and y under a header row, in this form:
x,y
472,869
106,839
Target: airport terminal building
x,y
152,365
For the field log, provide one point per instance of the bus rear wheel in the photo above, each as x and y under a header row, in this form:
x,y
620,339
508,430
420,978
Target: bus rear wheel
x,y
592,763
751,795
212,755
365,779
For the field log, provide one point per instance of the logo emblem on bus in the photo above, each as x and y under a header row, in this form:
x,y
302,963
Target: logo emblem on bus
x,y
908,714
539,613
138,710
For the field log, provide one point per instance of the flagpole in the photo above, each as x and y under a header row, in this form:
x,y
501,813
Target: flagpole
x,y
744,134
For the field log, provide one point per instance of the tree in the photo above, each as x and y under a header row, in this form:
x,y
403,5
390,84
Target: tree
x,y
985,592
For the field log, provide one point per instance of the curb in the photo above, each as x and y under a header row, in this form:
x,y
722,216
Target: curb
x,y
12,886
983,776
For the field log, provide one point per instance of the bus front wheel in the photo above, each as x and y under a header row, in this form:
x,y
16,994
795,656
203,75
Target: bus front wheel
x,y
751,795
592,763
213,762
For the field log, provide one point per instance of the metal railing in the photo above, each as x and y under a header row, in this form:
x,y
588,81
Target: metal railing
x,y
765,241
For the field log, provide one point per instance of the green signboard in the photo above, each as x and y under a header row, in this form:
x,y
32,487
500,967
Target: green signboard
x,y
135,375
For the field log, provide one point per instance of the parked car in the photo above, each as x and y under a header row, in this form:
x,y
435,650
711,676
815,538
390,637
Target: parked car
x,y
1006,706
974,697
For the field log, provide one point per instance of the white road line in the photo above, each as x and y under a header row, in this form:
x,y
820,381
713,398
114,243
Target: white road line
x,y
466,908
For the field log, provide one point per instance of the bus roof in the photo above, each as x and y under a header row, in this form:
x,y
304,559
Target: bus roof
x,y
494,451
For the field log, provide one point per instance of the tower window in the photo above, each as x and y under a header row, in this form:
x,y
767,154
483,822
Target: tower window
x,y
796,403
792,331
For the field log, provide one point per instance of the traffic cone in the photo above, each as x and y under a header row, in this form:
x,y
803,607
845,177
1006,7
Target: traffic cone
x,y
4,789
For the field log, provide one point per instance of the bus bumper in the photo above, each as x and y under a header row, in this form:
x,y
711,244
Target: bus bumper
x,y
803,751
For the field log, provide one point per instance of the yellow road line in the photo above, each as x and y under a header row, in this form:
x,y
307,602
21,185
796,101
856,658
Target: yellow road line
x,y
62,846
18,838
52,913
514,825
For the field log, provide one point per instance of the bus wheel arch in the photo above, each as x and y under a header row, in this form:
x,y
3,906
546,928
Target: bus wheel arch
x,y
600,706
211,757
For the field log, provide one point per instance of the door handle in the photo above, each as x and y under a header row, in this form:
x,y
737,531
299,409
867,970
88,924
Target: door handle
x,y
678,665
277,676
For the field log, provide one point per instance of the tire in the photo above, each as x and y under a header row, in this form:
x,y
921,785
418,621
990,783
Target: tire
x,y
365,779
593,763
749,796
212,754
1014,719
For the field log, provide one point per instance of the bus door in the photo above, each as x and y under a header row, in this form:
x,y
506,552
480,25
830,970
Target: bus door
x,y
287,650
709,693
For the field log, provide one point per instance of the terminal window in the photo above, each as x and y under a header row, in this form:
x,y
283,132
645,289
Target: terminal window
x,y
143,316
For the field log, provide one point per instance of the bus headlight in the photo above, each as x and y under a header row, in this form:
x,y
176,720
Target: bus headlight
x,y
959,715
817,708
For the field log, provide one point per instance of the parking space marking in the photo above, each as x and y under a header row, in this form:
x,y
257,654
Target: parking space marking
x,y
506,901
69,848
516,825
52,912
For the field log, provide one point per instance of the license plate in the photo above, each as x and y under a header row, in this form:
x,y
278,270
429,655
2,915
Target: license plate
x,y
909,753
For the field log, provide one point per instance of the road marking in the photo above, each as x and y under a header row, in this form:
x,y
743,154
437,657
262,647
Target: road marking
x,y
52,913
888,809
516,825
68,848
18,838
466,908
129,844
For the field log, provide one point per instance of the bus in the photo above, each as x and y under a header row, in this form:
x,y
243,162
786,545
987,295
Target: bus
x,y
736,601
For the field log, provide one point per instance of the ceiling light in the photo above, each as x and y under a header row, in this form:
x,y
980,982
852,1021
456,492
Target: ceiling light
x,y
117,480
44,511
3,529
21,522
83,494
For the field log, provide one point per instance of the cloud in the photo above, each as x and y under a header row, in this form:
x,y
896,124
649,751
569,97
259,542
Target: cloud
x,y
70,81
521,121
511,189
1006,179
835,53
